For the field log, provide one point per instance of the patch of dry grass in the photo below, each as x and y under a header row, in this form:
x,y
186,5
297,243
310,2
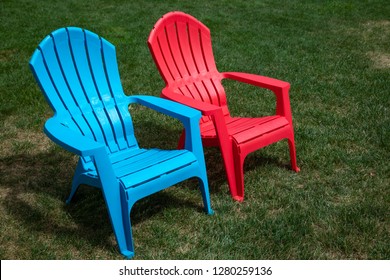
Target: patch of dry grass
x,y
21,140
380,60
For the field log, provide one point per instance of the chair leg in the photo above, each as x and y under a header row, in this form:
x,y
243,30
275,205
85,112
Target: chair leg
x,y
204,188
127,249
119,211
182,139
293,155
228,161
76,181
239,174
117,204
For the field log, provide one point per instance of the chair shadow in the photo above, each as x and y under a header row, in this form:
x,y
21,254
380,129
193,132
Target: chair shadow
x,y
35,189
32,185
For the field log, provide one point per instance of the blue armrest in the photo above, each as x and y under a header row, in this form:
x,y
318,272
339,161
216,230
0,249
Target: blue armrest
x,y
71,141
188,116
166,107
206,108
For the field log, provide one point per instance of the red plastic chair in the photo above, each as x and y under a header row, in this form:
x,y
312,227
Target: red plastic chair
x,y
181,48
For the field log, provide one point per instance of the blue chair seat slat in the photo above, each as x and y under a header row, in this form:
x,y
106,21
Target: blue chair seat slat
x,y
143,154
143,159
159,169
155,157
131,164
125,154
152,156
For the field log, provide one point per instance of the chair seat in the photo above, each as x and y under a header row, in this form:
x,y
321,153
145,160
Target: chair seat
x,y
134,167
246,129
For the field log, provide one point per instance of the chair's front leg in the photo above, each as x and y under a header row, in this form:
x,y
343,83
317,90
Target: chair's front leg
x,y
193,141
180,144
112,196
225,144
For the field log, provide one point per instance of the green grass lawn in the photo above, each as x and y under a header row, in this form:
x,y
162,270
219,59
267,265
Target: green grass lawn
x,y
335,54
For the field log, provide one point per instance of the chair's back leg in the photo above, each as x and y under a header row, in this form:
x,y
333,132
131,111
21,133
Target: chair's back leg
x,y
239,174
127,203
182,139
204,188
76,181
293,154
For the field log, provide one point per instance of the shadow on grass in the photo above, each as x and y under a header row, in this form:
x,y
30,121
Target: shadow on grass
x,y
34,187
216,170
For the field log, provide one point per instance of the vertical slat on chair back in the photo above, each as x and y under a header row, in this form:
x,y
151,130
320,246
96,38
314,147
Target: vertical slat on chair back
x,y
78,73
181,48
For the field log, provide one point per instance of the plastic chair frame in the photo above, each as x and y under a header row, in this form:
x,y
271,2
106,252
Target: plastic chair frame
x,y
182,51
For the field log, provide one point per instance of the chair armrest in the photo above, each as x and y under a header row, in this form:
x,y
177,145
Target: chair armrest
x,y
71,141
257,80
206,108
167,107
280,89
188,116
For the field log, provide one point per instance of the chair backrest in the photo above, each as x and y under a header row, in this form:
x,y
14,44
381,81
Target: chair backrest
x,y
78,73
181,48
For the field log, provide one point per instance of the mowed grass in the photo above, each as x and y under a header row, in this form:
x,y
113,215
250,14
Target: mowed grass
x,y
335,54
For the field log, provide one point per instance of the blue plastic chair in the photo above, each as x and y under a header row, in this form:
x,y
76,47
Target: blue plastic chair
x,y
78,73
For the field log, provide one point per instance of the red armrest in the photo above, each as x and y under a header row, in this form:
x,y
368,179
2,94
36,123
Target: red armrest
x,y
257,80
280,88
